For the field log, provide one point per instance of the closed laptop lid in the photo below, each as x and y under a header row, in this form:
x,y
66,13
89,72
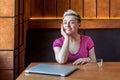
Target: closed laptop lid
x,y
51,69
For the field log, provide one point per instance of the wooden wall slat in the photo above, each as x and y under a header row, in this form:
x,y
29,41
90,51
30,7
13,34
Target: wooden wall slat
x,y
6,75
45,23
115,9
16,58
86,23
27,9
16,7
6,60
6,8
62,5
21,6
86,8
37,8
100,23
22,60
102,8
21,34
6,33
50,8
79,7
89,8
17,36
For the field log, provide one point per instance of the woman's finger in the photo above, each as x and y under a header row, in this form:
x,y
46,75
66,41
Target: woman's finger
x,y
83,61
77,62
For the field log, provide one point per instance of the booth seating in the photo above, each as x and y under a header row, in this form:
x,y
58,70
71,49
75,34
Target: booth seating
x,y
39,44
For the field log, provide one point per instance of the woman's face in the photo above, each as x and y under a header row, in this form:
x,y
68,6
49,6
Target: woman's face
x,y
70,25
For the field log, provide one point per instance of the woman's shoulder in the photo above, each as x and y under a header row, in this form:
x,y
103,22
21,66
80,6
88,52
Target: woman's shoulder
x,y
60,39
86,38
58,42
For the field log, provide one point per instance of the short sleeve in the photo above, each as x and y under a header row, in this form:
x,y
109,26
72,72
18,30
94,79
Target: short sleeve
x,y
58,42
90,43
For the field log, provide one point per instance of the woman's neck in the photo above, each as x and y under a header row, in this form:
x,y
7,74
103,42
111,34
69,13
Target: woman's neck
x,y
75,37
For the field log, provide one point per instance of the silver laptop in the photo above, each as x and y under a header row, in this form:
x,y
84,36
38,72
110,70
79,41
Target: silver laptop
x,y
51,69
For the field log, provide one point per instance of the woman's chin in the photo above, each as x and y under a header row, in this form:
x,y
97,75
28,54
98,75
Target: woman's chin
x,y
68,33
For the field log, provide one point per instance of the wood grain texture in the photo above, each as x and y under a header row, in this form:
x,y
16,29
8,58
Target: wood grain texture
x,y
89,9
16,36
115,9
37,8
22,60
6,60
103,9
27,10
62,6
50,8
6,75
21,34
78,7
86,23
14,15
6,33
89,71
16,66
45,23
21,7
7,8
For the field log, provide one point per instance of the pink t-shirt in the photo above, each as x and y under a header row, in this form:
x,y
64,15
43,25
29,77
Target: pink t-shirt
x,y
85,45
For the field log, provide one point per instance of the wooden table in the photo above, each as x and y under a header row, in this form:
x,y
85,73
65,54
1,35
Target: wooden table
x,y
89,71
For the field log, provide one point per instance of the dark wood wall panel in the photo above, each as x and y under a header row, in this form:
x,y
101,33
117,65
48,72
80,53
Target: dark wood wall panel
x,y
97,9
16,58
27,10
115,9
103,9
86,23
22,61
6,75
16,36
79,7
50,8
21,42
89,8
21,6
37,5
62,5
100,23
14,14
6,60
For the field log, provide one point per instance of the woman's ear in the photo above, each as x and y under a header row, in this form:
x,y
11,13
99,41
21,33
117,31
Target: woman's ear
x,y
80,25
62,25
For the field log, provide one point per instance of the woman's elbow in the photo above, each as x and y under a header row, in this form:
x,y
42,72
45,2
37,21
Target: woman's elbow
x,y
61,61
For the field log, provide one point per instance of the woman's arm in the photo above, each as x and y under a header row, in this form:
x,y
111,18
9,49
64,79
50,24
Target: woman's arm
x,y
91,58
61,53
92,55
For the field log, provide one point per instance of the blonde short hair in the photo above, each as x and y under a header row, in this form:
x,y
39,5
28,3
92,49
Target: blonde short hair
x,y
73,13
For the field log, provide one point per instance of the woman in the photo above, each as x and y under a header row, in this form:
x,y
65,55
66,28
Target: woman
x,y
72,46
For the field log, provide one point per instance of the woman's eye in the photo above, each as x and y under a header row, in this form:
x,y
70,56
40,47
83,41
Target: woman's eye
x,y
72,22
64,22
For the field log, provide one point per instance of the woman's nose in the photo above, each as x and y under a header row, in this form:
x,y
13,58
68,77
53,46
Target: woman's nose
x,y
68,24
